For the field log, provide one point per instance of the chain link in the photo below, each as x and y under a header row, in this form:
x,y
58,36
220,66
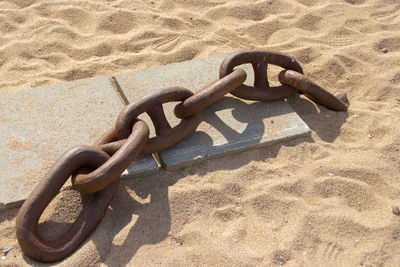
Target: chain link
x,y
210,94
96,170
30,212
311,90
116,164
152,104
261,91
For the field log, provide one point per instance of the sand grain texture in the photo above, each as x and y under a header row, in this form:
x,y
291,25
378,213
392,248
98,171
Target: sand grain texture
x,y
325,200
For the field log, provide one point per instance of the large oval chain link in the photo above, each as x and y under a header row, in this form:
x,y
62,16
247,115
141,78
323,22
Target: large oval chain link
x,y
30,212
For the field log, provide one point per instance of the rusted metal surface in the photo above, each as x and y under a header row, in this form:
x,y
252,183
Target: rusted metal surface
x,y
28,216
112,169
210,94
312,90
96,170
166,136
261,91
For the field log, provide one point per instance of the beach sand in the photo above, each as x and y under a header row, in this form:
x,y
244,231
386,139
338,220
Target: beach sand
x,y
323,200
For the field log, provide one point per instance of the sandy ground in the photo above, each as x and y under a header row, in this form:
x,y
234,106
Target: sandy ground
x,y
324,200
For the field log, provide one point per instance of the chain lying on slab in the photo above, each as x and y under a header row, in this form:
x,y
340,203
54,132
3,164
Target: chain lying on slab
x,y
96,170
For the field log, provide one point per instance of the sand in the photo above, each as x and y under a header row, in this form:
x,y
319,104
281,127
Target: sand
x,y
324,200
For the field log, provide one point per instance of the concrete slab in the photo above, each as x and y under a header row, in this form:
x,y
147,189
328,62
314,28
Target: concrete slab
x,y
38,125
143,165
228,126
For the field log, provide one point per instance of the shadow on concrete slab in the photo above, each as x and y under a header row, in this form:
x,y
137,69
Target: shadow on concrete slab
x,y
232,125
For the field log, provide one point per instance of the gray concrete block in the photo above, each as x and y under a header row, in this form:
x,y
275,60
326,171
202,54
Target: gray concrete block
x,y
39,125
231,126
143,165
228,126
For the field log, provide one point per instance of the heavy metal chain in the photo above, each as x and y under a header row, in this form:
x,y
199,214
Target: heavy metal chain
x,y
96,170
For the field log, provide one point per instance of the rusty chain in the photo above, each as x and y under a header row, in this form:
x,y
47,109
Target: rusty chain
x,y
96,170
